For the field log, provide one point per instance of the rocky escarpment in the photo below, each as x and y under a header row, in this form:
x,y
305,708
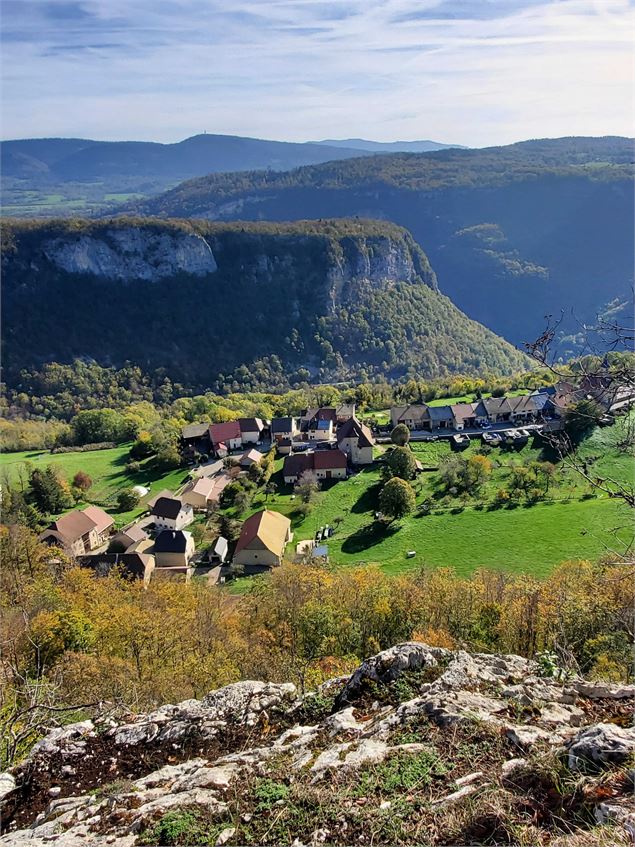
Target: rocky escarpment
x,y
270,305
130,253
419,744
136,249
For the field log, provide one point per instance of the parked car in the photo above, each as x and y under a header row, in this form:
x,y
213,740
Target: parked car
x,y
606,420
491,438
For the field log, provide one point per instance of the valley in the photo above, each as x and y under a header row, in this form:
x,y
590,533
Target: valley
x,y
514,233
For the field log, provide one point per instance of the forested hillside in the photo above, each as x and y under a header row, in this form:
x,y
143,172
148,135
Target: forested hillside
x,y
270,303
514,233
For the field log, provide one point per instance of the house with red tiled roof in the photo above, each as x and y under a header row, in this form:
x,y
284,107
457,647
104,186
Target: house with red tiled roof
x,y
325,464
225,437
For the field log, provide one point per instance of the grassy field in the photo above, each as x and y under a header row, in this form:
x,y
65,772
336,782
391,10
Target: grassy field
x,y
106,468
522,538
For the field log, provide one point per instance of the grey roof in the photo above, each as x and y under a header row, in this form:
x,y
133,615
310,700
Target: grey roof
x,y
480,410
220,547
195,430
522,403
131,564
250,424
440,413
496,405
540,400
171,541
281,425
167,507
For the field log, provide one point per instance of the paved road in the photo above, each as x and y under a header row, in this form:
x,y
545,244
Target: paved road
x,y
476,431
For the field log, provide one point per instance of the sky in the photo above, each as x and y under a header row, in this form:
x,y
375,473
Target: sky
x,y
473,72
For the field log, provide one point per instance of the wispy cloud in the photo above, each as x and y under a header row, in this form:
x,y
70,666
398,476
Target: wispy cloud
x,y
468,71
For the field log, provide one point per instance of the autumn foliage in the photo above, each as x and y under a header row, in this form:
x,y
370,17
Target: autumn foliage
x,y
110,639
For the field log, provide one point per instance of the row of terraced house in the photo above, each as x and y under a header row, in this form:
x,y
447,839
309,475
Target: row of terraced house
x,y
545,406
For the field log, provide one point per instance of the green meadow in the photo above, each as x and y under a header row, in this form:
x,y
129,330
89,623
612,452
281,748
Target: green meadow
x,y
106,468
574,523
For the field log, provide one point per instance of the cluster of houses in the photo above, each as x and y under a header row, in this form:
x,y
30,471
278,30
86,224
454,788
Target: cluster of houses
x,y
544,406
221,439
326,440
162,547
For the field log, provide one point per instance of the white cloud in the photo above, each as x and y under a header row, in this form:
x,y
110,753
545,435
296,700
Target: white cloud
x,y
468,71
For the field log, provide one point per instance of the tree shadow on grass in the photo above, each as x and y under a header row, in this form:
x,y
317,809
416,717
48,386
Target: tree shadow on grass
x,y
368,536
368,501
297,518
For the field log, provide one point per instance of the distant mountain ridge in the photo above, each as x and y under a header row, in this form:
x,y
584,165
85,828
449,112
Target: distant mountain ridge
x,y
79,159
389,146
57,176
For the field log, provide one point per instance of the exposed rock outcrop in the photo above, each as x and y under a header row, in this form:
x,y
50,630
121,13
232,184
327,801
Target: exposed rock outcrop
x,y
129,253
241,751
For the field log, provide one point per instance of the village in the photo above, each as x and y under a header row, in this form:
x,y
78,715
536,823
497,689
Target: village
x,y
321,446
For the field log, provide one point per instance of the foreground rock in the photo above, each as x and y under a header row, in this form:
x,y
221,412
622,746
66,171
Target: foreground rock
x,y
445,730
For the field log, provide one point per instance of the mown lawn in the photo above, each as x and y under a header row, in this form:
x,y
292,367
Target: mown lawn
x,y
106,468
531,539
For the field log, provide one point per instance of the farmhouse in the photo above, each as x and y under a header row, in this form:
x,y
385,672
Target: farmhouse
x,y
79,531
171,513
311,417
321,430
195,439
295,465
200,493
173,549
284,446
523,408
326,464
250,430
131,565
415,417
249,458
344,412
608,392
464,415
262,540
225,437
441,417
282,428
356,441
125,539
329,464
497,409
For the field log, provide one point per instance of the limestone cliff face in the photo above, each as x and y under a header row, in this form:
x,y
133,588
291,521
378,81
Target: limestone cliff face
x,y
375,262
131,253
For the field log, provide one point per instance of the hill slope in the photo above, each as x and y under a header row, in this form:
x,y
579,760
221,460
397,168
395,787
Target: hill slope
x,y
514,233
81,160
260,303
419,742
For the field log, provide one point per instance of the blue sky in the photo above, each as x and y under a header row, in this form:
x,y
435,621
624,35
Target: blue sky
x,y
474,72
